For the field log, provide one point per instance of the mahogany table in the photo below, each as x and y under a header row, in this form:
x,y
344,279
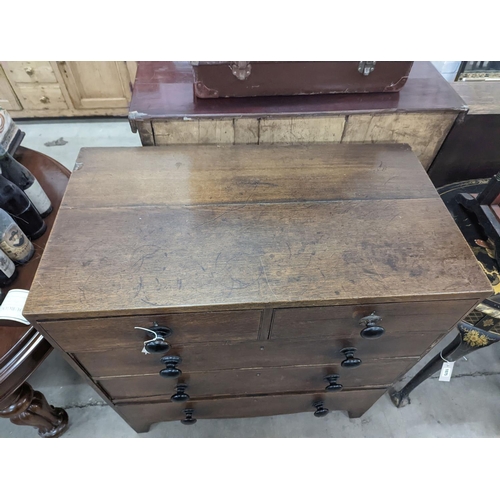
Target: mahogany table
x,y
22,348
164,111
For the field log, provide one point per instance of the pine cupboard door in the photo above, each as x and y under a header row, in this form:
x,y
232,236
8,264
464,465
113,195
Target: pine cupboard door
x,y
8,99
97,84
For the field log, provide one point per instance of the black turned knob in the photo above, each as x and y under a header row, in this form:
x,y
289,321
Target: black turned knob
x,y
189,419
350,361
333,386
180,396
371,329
321,411
170,370
157,334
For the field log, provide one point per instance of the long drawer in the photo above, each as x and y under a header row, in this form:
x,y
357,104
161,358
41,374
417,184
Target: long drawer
x,y
234,355
140,416
120,332
381,372
343,321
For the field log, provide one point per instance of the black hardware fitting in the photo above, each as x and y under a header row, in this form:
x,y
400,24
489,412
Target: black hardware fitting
x,y
170,370
350,361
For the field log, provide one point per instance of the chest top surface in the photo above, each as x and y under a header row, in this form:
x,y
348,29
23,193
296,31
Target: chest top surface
x,y
181,228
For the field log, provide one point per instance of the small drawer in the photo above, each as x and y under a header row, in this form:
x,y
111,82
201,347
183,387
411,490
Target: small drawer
x,y
31,72
234,355
356,402
344,321
382,372
47,96
120,332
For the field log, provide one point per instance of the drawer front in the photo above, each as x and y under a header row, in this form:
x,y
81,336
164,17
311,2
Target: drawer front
x,y
31,72
235,355
120,332
343,321
355,402
47,96
382,372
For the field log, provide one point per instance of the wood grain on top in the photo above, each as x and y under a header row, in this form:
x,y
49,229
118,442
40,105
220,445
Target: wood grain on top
x,y
165,90
193,175
359,232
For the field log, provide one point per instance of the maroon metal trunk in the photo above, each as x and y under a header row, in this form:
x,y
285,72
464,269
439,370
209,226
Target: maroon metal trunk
x,y
267,78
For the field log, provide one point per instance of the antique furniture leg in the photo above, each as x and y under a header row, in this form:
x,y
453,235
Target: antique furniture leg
x,y
28,407
470,339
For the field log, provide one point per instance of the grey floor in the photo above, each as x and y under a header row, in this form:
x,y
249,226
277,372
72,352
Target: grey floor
x,y
468,406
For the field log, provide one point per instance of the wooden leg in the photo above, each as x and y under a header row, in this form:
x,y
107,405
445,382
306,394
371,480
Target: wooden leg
x,y
469,339
356,413
28,407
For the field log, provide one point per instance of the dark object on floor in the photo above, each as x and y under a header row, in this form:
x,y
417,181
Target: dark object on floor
x,y
57,142
280,78
472,148
481,327
22,348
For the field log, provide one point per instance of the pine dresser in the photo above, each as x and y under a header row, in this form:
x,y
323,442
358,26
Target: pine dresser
x,y
198,282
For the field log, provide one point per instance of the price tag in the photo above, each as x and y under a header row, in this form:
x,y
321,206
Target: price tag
x,y
13,305
446,371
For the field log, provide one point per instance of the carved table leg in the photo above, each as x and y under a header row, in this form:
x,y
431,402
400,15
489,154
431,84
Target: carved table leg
x,y
469,339
28,407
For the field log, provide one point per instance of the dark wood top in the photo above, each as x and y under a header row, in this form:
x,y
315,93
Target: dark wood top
x,y
164,90
244,226
482,98
53,177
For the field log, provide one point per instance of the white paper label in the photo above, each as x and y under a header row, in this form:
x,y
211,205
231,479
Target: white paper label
x,y
446,371
6,265
13,305
16,244
38,197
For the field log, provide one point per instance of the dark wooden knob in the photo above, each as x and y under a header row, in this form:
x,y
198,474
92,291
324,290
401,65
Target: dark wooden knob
x,y
350,361
321,411
371,329
157,334
157,346
180,396
170,370
333,385
188,419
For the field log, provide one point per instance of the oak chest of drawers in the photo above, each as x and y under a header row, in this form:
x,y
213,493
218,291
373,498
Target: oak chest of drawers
x,y
193,282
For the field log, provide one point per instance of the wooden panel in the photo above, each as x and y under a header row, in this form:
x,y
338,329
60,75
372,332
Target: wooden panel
x,y
164,90
286,254
132,70
299,129
194,132
381,372
145,130
470,151
424,132
141,416
69,112
8,99
30,72
97,84
482,98
246,131
271,353
194,175
343,321
48,96
110,333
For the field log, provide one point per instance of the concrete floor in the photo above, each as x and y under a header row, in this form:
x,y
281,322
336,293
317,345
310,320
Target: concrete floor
x,y
468,406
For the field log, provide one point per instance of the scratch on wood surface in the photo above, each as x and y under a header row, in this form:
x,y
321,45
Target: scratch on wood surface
x,y
267,279
140,286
